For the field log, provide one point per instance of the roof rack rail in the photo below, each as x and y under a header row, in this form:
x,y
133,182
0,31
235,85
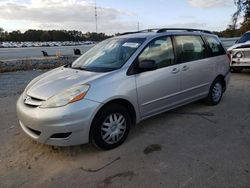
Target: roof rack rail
x,y
161,30
127,33
183,29
141,31
148,30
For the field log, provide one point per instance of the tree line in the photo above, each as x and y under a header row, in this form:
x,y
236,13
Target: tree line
x,y
233,30
50,35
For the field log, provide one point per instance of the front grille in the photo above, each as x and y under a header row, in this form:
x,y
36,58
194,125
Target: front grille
x,y
246,54
32,101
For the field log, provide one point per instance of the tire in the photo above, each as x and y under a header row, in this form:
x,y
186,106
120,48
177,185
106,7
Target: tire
x,y
110,127
236,70
215,93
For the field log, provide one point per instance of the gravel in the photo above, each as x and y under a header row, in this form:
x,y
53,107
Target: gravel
x,y
192,146
35,63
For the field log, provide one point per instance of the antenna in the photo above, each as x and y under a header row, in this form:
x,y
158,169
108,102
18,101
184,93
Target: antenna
x,y
95,17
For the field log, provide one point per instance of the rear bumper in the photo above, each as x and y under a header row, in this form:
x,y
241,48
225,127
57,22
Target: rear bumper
x,y
63,126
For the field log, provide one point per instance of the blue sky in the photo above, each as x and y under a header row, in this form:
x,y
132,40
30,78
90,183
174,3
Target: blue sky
x,y
115,15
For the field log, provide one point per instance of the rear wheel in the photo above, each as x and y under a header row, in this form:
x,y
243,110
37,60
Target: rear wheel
x,y
110,127
215,92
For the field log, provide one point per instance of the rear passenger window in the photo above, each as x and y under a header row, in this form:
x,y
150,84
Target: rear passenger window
x,y
190,48
160,51
215,46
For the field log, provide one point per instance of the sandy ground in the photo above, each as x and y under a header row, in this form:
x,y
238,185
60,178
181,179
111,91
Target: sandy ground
x,y
192,146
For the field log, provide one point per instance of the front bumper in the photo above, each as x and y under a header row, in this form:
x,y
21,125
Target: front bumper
x,y
240,62
63,126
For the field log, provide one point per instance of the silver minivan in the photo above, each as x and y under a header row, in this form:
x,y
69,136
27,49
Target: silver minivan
x,y
120,82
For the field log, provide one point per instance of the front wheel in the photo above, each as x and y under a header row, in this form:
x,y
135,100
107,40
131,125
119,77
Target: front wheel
x,y
110,127
215,93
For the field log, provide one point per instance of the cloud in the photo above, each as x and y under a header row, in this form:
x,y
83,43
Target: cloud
x,y
210,3
58,14
65,14
198,25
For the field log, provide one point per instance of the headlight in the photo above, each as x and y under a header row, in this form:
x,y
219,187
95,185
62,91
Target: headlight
x,y
68,96
238,55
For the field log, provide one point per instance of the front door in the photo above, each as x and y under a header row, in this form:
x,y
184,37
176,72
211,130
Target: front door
x,y
157,90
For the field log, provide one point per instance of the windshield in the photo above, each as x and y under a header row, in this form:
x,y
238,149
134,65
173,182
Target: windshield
x,y
244,38
108,55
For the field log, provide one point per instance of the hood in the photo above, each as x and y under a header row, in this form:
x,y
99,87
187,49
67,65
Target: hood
x,y
58,80
239,45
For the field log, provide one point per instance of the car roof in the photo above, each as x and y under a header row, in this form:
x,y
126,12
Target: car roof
x,y
151,33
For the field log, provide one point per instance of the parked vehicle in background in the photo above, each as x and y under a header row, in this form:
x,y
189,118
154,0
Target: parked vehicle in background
x,y
240,54
43,44
120,82
229,42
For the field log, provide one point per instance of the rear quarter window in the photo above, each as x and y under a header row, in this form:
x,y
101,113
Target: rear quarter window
x,y
215,46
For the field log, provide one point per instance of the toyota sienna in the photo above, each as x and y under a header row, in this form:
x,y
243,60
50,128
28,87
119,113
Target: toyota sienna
x,y
121,81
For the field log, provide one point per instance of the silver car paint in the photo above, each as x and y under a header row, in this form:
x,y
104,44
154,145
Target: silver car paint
x,y
150,93
157,89
56,81
74,118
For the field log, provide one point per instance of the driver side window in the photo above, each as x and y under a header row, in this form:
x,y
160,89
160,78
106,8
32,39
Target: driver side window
x,y
160,51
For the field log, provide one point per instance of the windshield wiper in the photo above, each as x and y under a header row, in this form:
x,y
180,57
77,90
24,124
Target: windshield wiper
x,y
79,68
68,65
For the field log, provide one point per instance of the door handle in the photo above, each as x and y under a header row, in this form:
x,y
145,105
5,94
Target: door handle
x,y
185,68
175,70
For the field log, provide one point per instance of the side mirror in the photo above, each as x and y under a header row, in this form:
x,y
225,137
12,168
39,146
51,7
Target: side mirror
x,y
147,65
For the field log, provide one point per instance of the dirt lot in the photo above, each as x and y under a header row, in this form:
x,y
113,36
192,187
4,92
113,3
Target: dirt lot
x,y
192,146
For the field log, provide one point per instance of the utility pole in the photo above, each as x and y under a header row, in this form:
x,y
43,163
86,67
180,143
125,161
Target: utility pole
x,y
138,26
95,17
